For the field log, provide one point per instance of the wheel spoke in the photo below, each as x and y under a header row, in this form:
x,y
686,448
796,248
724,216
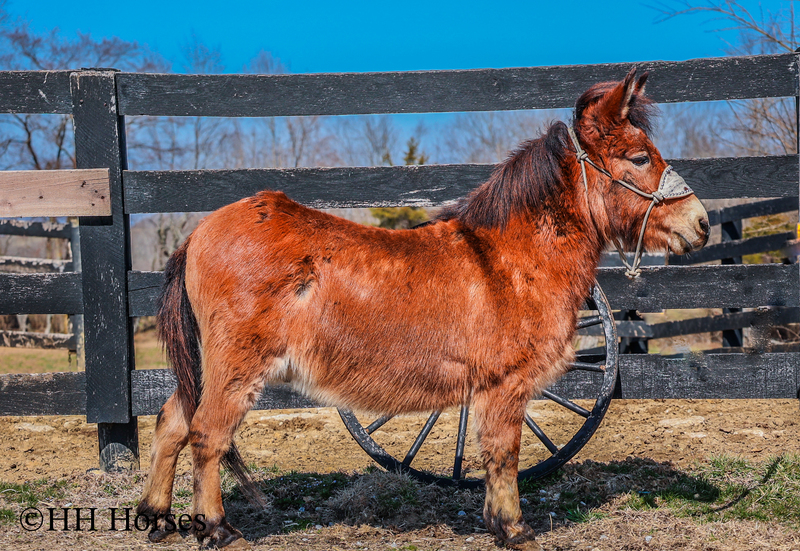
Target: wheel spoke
x,y
586,366
588,322
377,423
572,406
540,434
421,438
462,437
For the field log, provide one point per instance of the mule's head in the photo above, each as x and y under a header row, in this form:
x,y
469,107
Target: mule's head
x,y
612,122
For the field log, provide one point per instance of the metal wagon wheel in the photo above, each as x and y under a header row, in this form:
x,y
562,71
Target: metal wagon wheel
x,y
595,371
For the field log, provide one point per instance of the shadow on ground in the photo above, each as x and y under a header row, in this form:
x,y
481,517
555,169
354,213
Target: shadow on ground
x,y
394,501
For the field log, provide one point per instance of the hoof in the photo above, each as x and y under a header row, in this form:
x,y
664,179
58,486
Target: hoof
x,y
222,535
515,536
236,544
527,545
524,545
165,536
240,544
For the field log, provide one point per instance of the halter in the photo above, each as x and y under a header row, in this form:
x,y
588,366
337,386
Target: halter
x,y
670,186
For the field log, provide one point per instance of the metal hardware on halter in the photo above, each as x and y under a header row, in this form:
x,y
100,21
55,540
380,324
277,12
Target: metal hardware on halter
x,y
670,186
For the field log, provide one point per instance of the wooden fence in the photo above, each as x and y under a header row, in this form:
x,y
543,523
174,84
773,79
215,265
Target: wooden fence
x,y
15,264
112,393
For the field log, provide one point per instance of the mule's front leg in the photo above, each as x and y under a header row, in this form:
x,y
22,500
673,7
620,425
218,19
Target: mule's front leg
x,y
499,417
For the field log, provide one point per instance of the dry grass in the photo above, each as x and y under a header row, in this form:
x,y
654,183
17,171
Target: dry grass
x,y
721,504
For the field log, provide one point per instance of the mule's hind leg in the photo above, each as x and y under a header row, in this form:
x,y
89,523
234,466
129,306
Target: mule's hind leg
x,y
499,414
172,434
230,388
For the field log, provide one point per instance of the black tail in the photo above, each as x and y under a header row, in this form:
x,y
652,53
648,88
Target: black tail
x,y
180,335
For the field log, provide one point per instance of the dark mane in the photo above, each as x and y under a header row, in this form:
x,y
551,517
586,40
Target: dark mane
x,y
518,184
642,110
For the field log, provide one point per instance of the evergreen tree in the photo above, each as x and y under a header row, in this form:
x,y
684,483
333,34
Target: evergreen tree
x,y
403,217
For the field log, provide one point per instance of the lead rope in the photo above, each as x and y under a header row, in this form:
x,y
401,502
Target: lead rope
x,y
633,271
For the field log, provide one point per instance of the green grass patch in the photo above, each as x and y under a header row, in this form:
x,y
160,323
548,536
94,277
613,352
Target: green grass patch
x,y
580,515
730,488
391,499
31,493
768,491
307,490
7,516
28,494
298,525
721,489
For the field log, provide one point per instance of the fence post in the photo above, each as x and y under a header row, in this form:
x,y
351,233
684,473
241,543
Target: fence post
x,y
76,320
632,345
731,231
105,261
797,151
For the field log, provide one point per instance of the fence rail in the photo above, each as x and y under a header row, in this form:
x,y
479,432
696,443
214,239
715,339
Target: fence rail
x,y
447,91
108,294
702,376
421,186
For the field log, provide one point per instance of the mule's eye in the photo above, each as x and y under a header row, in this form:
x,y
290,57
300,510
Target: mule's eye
x,y
640,160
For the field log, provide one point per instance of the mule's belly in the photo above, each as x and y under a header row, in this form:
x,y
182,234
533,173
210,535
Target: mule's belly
x,y
374,388
376,365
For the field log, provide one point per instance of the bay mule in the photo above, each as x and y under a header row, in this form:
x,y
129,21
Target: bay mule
x,y
478,307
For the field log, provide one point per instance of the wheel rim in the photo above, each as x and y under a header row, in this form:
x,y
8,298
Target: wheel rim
x,y
606,371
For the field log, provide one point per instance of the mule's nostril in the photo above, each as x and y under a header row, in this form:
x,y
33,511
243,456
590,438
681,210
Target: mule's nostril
x,y
704,225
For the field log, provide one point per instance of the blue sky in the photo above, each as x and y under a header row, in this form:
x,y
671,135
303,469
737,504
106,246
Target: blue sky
x,y
331,36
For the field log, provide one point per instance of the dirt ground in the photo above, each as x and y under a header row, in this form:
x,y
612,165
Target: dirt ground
x,y
678,431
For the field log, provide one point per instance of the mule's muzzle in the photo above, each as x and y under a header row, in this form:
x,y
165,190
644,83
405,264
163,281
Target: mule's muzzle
x,y
692,232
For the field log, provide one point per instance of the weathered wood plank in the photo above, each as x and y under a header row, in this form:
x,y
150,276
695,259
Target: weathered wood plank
x,y
143,291
41,293
28,228
730,286
659,287
627,328
420,186
758,318
21,264
152,387
750,210
740,177
441,91
22,339
35,92
43,394
643,376
734,249
54,193
706,376
762,317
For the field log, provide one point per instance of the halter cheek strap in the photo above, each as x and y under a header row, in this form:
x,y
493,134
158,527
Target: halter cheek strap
x,y
670,186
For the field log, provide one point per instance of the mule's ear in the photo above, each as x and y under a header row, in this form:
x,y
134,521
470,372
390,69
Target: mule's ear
x,y
640,84
615,104
629,86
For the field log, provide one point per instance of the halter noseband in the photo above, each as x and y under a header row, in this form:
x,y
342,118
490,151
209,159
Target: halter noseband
x,y
670,186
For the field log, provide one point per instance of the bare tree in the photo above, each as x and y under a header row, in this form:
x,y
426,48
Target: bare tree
x,y
45,141
206,133
764,126
171,230
693,130
366,140
488,137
